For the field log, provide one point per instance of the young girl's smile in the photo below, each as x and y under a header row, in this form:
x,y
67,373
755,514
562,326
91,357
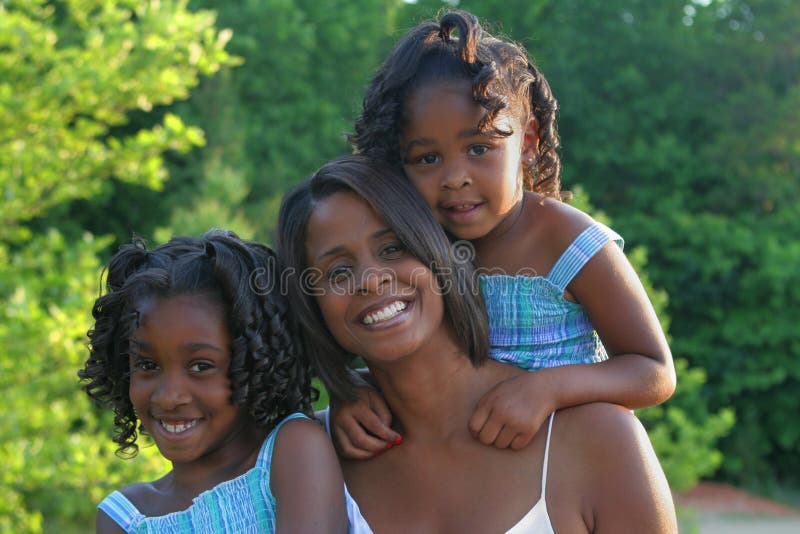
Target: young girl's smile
x,y
377,299
179,383
471,179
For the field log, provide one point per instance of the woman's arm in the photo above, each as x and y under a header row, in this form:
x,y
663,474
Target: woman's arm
x,y
307,481
609,458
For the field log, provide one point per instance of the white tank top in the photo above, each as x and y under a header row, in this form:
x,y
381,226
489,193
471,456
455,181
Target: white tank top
x,y
536,521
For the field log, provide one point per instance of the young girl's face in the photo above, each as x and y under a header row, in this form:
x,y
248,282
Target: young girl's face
x,y
378,301
179,376
471,180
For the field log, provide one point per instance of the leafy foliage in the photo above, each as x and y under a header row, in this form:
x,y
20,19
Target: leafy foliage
x,y
679,120
57,455
71,72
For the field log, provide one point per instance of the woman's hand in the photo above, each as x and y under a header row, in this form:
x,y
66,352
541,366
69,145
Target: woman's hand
x,y
361,429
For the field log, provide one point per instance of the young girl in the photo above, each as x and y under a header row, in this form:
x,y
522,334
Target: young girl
x,y
190,345
472,123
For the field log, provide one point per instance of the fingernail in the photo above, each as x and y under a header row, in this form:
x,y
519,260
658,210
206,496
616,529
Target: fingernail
x,y
389,445
398,441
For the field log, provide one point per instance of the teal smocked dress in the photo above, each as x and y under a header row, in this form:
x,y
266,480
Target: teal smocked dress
x,y
531,323
244,504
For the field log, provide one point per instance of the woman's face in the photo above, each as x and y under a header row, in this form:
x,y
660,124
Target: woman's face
x,y
378,301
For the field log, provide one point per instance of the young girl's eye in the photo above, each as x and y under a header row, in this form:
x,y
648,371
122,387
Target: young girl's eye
x,y
477,150
142,364
199,367
427,159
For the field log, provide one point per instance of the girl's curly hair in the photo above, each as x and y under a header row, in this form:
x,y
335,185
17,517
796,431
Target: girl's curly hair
x,y
502,78
267,375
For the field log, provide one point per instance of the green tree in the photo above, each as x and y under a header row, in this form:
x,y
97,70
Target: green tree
x,y
71,74
680,118
279,116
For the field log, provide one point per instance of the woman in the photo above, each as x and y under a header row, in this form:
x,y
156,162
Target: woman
x,y
370,282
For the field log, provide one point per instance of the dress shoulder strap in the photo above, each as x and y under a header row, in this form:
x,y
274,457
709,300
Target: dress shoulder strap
x,y
580,251
265,455
546,455
121,510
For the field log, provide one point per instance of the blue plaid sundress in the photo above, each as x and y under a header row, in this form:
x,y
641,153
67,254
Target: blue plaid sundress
x,y
244,504
531,323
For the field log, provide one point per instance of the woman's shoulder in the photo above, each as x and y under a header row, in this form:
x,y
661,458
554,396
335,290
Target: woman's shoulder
x,y
600,434
604,458
597,415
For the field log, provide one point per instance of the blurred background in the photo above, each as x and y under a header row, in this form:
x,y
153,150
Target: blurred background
x,y
680,125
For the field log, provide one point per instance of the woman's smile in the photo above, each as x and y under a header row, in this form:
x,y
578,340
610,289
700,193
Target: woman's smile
x,y
385,315
375,296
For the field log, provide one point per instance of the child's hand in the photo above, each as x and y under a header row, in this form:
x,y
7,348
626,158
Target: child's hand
x,y
361,428
510,413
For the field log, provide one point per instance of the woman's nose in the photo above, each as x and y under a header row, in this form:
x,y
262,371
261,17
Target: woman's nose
x,y
374,279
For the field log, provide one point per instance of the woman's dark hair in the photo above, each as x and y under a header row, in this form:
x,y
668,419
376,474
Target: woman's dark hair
x,y
395,201
268,378
502,78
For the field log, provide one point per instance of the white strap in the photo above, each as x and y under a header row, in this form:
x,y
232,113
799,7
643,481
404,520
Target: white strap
x,y
546,454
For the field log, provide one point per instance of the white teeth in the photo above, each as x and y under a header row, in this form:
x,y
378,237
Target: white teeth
x,y
386,313
180,427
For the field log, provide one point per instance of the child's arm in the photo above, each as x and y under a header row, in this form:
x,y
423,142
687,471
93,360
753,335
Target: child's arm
x,y
639,371
307,481
361,428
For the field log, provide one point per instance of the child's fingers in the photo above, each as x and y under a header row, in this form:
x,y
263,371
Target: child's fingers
x,y
490,430
520,441
373,423
479,417
505,438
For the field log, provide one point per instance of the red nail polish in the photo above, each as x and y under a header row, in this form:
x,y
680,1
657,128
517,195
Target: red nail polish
x,y
398,441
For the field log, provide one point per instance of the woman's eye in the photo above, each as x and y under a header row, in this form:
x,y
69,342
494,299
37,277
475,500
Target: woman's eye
x,y
338,273
477,150
199,367
393,250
